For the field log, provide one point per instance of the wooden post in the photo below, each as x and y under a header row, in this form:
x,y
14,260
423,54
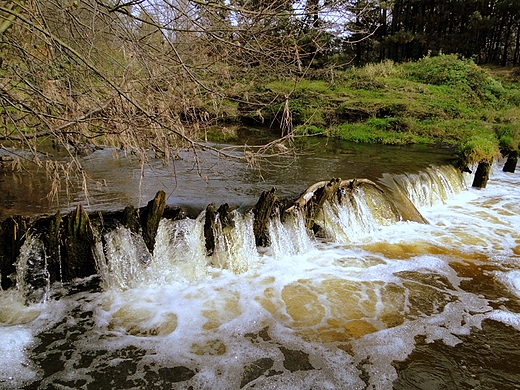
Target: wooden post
x,y
151,218
482,174
130,219
512,160
209,234
78,258
263,211
225,217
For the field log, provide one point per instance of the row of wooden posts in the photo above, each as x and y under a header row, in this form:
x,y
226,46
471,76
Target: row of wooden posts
x,y
69,239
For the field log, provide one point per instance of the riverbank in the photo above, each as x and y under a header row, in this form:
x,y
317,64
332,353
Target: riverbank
x,y
439,100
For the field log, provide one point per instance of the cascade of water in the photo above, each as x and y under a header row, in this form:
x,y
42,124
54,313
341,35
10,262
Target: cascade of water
x,y
433,186
124,260
235,247
32,276
179,252
289,237
358,213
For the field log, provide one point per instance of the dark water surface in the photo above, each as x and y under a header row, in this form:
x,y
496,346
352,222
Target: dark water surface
x,y
117,179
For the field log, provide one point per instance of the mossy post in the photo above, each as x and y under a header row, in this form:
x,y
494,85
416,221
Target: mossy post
x,y
482,174
78,259
511,162
481,150
151,218
263,212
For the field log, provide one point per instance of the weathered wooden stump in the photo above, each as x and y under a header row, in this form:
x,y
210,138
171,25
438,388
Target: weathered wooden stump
x,y
482,174
511,162
212,217
130,219
225,217
209,231
263,212
78,257
151,217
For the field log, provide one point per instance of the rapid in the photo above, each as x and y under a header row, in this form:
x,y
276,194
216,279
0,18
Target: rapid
x,y
375,301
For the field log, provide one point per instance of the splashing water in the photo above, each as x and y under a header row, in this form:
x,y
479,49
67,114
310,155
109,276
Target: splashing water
x,y
352,310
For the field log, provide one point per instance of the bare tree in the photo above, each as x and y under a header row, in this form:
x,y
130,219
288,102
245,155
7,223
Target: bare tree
x,y
147,75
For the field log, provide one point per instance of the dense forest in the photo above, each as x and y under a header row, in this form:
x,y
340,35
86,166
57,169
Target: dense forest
x,y
487,31
156,75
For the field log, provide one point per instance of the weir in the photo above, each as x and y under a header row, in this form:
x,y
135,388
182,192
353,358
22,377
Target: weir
x,y
159,244
375,290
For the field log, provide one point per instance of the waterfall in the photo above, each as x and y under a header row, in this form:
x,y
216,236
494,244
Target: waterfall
x,y
435,185
179,251
179,254
359,212
235,245
32,276
124,261
289,237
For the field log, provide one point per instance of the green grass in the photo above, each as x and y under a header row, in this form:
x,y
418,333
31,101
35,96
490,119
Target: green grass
x,y
436,100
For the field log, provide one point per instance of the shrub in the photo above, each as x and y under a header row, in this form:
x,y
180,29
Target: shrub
x,y
479,149
460,73
508,137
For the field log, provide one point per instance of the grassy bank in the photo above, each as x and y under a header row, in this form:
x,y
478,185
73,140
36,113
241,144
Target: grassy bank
x,y
439,100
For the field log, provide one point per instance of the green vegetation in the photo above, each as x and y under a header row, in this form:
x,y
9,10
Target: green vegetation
x,y
440,100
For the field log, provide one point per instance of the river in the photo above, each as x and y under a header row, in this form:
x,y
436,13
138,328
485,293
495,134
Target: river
x,y
377,302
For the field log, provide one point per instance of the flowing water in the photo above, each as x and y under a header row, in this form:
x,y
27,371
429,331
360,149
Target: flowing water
x,y
116,179
378,301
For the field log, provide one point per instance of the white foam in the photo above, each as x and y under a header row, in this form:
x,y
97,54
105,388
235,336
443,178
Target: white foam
x,y
511,280
508,318
15,367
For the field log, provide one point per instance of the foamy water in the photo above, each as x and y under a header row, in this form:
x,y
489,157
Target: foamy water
x,y
304,313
